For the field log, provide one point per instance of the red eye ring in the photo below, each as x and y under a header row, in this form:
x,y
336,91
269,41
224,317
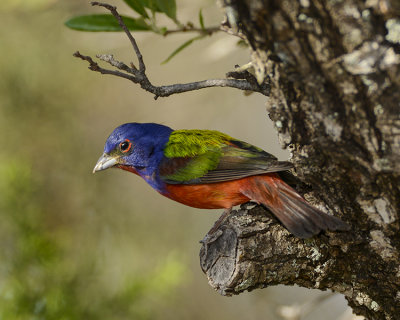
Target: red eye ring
x,y
125,146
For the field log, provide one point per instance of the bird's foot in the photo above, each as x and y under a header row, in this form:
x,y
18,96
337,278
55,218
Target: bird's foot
x,y
221,219
214,232
210,238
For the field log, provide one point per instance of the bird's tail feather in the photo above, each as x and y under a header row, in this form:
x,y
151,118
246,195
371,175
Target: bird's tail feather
x,y
299,217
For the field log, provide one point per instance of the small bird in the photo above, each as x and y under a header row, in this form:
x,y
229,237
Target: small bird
x,y
210,170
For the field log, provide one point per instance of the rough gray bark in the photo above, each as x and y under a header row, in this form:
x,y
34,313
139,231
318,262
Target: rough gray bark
x,y
333,68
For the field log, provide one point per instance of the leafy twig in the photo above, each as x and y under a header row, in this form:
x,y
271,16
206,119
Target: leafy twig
x,y
139,75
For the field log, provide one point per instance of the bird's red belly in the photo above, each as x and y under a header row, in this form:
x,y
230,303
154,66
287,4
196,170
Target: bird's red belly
x,y
208,196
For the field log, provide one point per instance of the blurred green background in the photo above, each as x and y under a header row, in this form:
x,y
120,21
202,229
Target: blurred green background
x,y
81,246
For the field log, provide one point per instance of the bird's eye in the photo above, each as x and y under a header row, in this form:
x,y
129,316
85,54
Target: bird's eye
x,y
125,146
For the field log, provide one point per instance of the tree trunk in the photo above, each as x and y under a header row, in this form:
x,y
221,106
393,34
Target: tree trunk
x,y
333,69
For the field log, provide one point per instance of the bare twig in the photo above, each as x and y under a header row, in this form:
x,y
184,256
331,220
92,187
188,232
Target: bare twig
x,y
117,16
139,75
95,67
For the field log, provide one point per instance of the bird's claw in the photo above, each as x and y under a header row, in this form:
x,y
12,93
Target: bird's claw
x,y
209,238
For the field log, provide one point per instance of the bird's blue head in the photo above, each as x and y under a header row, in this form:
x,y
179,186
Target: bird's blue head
x,y
136,147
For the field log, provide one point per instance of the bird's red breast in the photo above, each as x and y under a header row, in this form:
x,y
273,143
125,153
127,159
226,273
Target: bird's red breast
x,y
215,195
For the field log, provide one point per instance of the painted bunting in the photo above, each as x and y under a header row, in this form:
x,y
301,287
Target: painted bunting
x,y
211,170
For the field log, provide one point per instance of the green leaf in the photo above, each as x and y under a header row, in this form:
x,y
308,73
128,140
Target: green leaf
x,y
138,6
201,19
105,22
152,5
180,48
168,7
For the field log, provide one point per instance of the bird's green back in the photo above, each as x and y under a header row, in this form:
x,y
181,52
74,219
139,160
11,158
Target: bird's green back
x,y
191,143
196,156
201,147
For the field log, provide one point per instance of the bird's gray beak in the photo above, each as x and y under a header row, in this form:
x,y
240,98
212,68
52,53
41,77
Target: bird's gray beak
x,y
106,161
